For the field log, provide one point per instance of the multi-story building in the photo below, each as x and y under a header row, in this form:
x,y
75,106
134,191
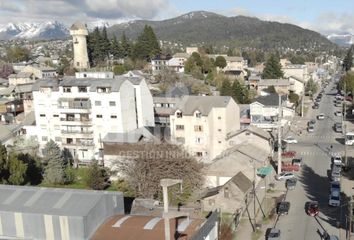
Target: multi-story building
x,y
201,124
78,113
296,70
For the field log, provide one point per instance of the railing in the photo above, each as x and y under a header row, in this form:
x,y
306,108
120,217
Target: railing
x,y
75,120
77,105
79,144
76,131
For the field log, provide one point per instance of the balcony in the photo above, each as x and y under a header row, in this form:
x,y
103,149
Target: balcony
x,y
76,121
77,133
78,104
79,144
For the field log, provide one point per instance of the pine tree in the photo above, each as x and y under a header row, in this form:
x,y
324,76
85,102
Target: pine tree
x,y
54,170
105,44
220,62
272,69
348,60
17,170
96,177
147,45
115,47
226,88
125,46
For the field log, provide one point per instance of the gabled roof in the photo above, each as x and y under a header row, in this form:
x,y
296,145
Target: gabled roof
x,y
298,79
204,104
24,88
242,182
274,82
255,130
7,91
269,100
7,131
21,75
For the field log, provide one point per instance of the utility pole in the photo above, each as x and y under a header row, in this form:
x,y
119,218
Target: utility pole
x,y
279,136
254,194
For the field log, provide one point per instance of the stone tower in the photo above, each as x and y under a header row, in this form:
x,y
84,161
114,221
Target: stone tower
x,y
79,32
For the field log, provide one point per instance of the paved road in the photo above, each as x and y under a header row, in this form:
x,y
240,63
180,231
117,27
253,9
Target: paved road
x,y
313,181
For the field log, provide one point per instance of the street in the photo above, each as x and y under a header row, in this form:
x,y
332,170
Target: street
x,y
313,179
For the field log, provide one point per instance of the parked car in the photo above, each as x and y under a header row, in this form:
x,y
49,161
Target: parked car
x,y
283,208
312,122
297,161
290,140
311,128
334,199
288,154
338,127
290,184
335,186
316,106
335,176
273,234
289,167
284,176
338,113
312,209
320,116
336,158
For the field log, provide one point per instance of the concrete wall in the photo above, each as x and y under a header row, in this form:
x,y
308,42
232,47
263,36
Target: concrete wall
x,y
144,104
81,60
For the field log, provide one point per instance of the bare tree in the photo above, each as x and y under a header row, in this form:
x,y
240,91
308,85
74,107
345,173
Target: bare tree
x,y
145,167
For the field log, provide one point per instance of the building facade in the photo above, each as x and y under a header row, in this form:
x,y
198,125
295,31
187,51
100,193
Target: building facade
x,y
201,124
78,113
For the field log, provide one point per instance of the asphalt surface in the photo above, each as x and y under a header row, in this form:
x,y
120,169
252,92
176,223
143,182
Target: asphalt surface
x,y
313,180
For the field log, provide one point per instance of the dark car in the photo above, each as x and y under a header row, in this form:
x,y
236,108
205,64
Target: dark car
x,y
290,184
338,127
316,106
297,161
273,234
312,209
283,208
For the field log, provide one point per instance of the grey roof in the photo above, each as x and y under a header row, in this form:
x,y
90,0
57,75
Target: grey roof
x,y
234,59
204,104
51,201
24,88
209,192
242,182
181,55
4,81
7,131
270,100
258,131
78,26
274,82
21,75
165,99
133,136
50,82
94,83
7,91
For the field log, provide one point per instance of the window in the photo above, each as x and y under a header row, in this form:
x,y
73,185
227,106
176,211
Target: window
x,y
99,116
179,127
180,140
77,63
66,89
199,154
211,202
57,139
219,141
44,138
55,115
198,140
226,192
69,141
56,127
112,103
43,126
198,115
198,128
85,75
42,115
219,117
103,90
113,116
179,114
219,130
83,89
97,103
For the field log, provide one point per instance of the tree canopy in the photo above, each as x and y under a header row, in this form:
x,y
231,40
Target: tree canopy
x,y
17,54
272,69
54,164
220,62
348,60
147,45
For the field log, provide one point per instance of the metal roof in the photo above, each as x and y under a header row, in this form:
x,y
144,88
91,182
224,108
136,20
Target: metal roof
x,y
53,201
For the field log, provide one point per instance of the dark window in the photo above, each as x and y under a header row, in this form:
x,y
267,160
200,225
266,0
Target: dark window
x,y
98,116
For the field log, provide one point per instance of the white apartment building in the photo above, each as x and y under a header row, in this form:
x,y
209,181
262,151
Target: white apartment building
x,y
78,113
296,70
202,123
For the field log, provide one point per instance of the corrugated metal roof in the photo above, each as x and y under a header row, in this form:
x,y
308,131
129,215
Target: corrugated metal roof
x,y
53,201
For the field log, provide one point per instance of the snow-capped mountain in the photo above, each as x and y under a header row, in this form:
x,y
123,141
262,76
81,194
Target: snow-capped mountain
x,y
43,30
346,39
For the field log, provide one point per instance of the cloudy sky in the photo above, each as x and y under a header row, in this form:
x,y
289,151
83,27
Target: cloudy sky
x,y
326,16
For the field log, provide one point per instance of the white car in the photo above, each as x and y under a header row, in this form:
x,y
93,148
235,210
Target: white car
x,y
337,159
320,116
290,140
285,175
334,199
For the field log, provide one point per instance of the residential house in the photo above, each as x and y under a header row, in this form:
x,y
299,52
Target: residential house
x,y
9,109
245,119
8,132
79,113
4,83
21,78
40,71
201,124
264,111
297,85
296,70
282,86
159,63
253,81
235,66
284,62
230,177
191,50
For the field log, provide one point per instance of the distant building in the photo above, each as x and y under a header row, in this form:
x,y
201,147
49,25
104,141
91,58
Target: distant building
x,y
21,78
201,124
40,71
79,32
160,63
281,86
78,113
94,75
296,70
54,213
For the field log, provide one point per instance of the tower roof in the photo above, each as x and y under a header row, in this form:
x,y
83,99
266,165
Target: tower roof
x,y
78,26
